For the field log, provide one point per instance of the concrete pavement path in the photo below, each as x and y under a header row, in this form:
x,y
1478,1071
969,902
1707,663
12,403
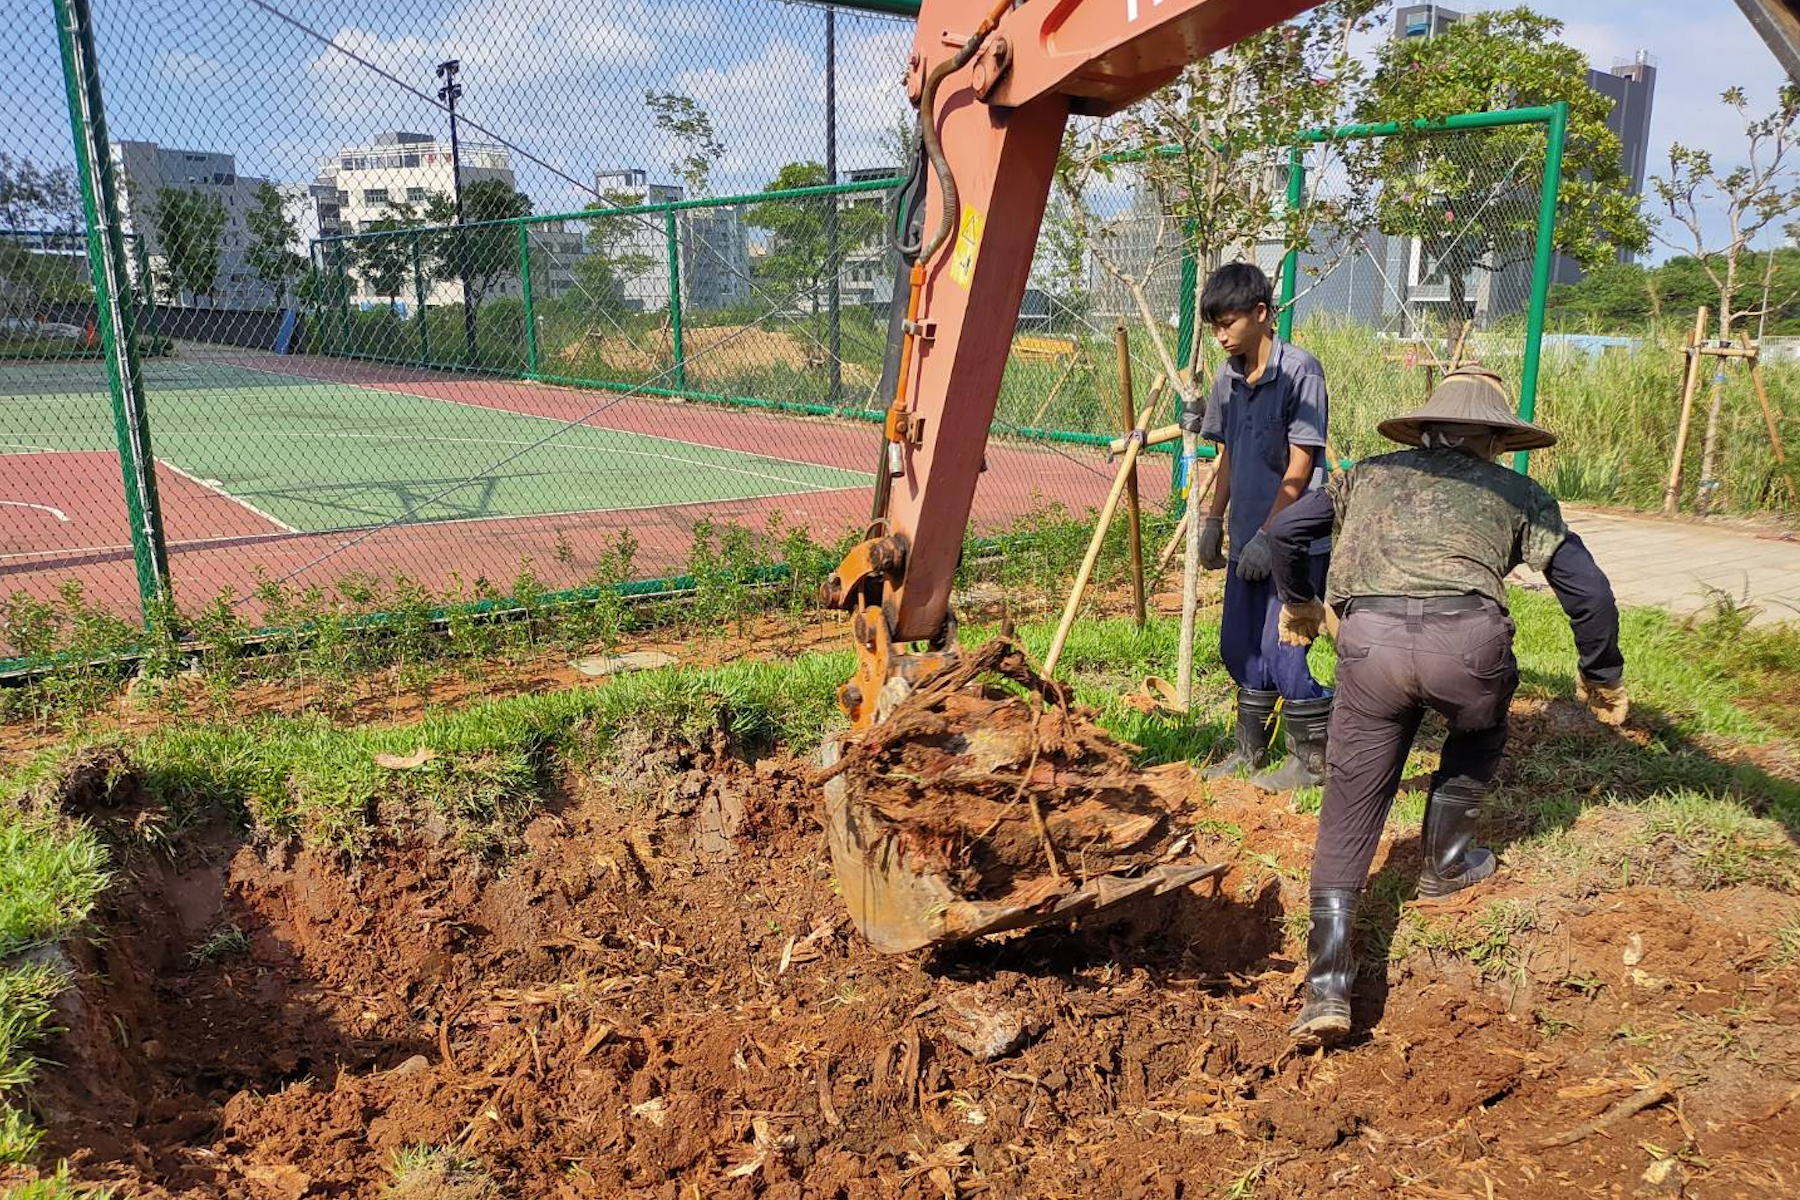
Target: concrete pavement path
x,y
1680,565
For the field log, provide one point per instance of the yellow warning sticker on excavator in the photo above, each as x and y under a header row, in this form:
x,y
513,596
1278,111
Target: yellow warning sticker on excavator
x,y
968,242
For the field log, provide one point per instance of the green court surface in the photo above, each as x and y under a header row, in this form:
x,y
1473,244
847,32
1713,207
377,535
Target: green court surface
x,y
316,455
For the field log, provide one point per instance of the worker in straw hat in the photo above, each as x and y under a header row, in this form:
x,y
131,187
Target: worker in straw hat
x,y
1424,541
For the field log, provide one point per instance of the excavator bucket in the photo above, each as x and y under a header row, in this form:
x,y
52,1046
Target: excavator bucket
x,y
972,809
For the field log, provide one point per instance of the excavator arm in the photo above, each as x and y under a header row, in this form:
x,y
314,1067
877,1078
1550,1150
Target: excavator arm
x,y
1778,22
995,84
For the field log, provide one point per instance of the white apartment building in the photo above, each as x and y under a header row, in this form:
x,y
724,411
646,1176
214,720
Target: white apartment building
x,y
145,169
401,168
711,246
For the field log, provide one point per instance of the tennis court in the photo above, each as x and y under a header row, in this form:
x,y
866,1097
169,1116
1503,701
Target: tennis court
x,y
310,456
308,470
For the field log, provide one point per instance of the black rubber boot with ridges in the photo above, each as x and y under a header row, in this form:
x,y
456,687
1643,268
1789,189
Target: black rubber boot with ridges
x,y
1330,969
1306,723
1452,860
1255,734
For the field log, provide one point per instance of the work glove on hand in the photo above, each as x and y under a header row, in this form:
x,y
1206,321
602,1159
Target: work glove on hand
x,y
1212,543
1256,561
1607,701
1301,623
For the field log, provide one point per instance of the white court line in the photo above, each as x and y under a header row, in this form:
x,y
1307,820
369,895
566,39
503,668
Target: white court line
x,y
627,394
58,513
216,489
188,543
28,448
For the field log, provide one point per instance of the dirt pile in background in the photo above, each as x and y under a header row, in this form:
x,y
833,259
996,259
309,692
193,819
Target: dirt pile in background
x,y
657,996
712,353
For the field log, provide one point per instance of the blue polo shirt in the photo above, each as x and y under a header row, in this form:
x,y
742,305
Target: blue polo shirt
x,y
1286,407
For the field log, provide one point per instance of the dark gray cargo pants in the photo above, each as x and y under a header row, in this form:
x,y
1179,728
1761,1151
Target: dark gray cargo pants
x,y
1391,667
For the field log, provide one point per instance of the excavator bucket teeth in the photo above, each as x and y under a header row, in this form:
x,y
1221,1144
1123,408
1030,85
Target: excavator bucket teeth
x,y
931,825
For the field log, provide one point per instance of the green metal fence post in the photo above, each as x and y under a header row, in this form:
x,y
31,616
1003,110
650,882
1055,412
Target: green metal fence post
x,y
675,301
1290,264
112,292
1185,316
531,341
419,302
1540,270
341,285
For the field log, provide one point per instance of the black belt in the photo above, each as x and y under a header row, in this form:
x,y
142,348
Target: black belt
x,y
1402,605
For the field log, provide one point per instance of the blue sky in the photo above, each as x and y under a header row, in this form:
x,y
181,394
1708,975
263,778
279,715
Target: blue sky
x,y
565,78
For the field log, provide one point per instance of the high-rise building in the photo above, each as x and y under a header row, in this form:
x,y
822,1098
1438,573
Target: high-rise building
x,y
148,170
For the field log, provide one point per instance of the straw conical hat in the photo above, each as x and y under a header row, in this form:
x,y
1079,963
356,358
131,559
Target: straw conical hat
x,y
1470,395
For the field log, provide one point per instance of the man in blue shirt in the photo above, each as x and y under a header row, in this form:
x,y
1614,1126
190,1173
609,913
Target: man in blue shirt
x,y
1267,413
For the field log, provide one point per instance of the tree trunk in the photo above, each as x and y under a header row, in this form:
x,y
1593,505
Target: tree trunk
x,y
1709,447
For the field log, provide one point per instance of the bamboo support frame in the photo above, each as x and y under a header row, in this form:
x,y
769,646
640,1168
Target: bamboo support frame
x,y
1134,524
1690,383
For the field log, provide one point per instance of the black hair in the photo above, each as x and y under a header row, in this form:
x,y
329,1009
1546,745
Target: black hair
x,y
1235,288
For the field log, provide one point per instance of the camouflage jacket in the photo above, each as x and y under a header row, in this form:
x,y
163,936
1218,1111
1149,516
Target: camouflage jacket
x,y
1437,523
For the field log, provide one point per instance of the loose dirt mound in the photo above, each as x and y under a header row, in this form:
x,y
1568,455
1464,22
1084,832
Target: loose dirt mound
x,y
713,353
658,997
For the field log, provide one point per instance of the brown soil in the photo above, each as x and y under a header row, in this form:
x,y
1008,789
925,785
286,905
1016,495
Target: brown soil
x,y
714,353
658,997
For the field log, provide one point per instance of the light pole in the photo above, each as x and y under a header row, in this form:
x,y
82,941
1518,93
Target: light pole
x,y
448,95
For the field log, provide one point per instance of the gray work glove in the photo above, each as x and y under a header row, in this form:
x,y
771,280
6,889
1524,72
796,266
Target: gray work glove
x,y
1256,561
1212,543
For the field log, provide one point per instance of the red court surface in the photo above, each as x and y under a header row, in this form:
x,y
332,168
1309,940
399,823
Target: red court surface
x,y
216,543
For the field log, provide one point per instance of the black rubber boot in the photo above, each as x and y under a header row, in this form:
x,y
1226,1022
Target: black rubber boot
x,y
1306,723
1452,861
1330,969
1255,734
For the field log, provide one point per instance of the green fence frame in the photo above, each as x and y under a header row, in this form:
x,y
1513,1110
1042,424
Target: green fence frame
x,y
1555,119
117,300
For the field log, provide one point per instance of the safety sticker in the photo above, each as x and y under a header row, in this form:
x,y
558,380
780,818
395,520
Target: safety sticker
x,y
968,243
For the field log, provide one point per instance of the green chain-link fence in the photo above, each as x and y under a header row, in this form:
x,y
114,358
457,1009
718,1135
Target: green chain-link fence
x,y
325,352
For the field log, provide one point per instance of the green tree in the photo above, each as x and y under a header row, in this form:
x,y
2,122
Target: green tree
x,y
1466,199
615,252
273,252
797,260
35,197
1217,184
189,226
1761,192
384,252
690,129
482,256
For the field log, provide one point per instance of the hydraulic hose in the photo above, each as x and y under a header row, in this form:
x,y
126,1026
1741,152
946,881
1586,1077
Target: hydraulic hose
x,y
894,430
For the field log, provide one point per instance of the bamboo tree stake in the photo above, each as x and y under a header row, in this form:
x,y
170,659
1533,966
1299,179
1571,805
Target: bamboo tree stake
x,y
1768,413
1082,576
1690,383
1133,515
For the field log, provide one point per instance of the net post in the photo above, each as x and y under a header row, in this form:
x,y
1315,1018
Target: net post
x,y
1540,270
675,300
531,340
115,317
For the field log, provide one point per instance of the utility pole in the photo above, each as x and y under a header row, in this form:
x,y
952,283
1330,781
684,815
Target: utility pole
x,y
832,265
448,95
